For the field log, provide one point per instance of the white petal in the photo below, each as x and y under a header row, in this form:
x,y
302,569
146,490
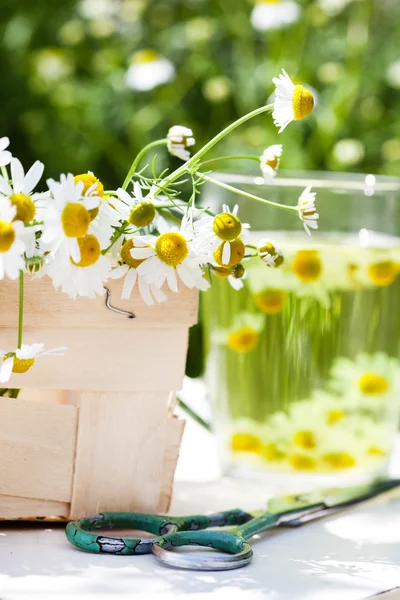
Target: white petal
x,y
158,294
32,177
185,275
17,175
124,196
226,253
6,369
171,279
5,187
5,158
137,190
140,253
74,250
129,284
119,272
4,143
144,290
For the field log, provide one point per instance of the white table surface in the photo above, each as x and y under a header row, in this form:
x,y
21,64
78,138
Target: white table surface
x,y
348,556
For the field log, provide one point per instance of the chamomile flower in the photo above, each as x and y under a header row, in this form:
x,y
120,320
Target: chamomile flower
x,y
274,14
179,140
170,256
67,217
12,246
368,377
269,254
85,277
23,359
5,155
136,210
269,161
307,211
148,70
222,234
292,102
19,191
128,270
103,218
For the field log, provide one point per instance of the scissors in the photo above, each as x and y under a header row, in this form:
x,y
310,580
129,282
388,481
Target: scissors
x,y
173,532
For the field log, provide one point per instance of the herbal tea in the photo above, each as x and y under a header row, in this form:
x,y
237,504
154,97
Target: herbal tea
x,y
302,363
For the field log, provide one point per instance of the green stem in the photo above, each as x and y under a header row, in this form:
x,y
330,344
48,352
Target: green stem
x,y
139,157
186,167
234,157
230,188
4,172
21,308
14,393
192,414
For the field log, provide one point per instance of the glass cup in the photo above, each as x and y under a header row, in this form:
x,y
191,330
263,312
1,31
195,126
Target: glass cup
x,y
302,364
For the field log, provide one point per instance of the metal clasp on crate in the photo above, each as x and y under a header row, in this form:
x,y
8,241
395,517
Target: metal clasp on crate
x,y
128,314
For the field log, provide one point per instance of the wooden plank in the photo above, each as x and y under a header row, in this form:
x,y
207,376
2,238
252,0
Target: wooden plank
x,y
122,360
37,449
13,507
175,429
120,452
46,306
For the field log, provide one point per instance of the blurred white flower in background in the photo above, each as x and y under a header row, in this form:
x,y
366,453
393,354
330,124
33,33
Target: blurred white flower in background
x,y
148,70
97,9
53,64
349,151
274,14
333,7
393,74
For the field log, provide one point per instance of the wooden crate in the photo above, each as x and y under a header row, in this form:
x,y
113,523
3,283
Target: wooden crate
x,y
109,440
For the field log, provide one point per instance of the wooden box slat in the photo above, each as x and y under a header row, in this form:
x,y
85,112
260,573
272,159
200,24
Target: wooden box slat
x,y
45,306
37,449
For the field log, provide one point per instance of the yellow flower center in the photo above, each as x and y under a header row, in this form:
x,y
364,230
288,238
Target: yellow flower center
x,y
22,365
142,214
302,102
75,220
273,162
237,253
302,462
245,442
272,452
307,265
227,227
339,460
145,56
26,209
305,439
243,340
334,416
270,301
376,451
7,236
88,180
383,273
371,384
126,255
90,251
171,248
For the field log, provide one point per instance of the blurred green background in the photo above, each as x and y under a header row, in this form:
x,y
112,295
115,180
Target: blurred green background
x,y
69,98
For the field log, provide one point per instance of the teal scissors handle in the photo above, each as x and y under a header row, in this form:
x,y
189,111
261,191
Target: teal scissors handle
x,y
234,543
83,534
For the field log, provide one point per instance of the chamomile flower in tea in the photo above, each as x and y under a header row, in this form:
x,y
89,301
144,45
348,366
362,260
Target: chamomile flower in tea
x,y
307,212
